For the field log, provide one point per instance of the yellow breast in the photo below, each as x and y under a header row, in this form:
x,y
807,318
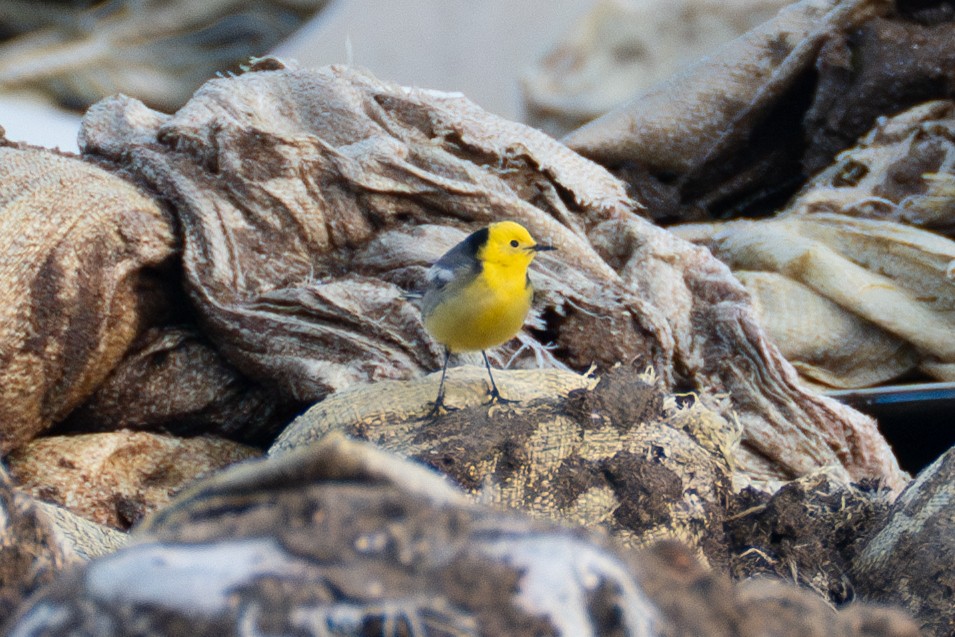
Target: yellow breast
x,y
487,312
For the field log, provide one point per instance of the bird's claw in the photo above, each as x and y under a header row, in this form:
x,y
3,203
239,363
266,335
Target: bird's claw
x,y
439,408
497,399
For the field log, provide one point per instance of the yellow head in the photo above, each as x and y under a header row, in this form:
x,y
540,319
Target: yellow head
x,y
509,244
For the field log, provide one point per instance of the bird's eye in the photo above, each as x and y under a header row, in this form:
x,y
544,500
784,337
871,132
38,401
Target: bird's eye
x,y
514,243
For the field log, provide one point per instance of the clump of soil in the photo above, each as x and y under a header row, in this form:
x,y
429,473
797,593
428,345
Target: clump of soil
x,y
808,532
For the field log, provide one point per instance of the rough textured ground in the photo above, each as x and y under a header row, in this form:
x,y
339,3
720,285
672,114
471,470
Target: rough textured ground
x,y
343,537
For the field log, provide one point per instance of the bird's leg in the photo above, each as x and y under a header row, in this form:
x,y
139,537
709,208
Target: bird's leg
x,y
438,404
495,394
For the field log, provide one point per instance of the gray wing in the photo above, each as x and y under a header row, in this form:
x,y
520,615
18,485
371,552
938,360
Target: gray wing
x,y
459,265
459,260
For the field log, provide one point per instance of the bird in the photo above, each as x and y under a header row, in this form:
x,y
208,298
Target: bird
x,y
479,293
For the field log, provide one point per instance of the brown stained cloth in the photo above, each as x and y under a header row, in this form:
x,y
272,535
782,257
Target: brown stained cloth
x,y
116,478
81,250
39,540
726,133
618,49
310,201
615,453
696,115
304,198
902,170
172,380
884,67
30,556
892,276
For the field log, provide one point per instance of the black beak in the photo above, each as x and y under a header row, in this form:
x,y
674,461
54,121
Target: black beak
x,y
540,247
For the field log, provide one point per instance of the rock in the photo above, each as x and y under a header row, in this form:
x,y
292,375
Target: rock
x,y
344,538
116,478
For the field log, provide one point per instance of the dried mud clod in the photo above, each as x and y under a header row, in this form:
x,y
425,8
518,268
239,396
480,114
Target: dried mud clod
x,y
808,533
621,397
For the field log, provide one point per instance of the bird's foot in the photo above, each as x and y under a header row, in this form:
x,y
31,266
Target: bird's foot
x,y
497,399
438,408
